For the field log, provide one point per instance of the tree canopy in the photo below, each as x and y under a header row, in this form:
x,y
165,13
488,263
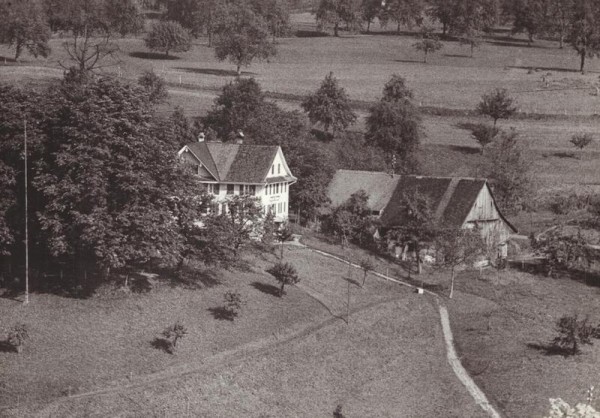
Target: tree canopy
x,y
23,26
242,35
329,106
168,36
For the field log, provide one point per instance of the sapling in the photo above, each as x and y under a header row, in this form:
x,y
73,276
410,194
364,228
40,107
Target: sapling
x,y
17,336
173,334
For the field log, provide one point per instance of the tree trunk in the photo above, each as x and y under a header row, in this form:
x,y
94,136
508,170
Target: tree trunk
x,y
369,26
444,28
582,67
281,289
364,278
425,57
281,256
336,29
472,48
238,70
167,52
398,29
18,50
452,283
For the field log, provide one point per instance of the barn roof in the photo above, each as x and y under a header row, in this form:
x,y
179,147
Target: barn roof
x,y
451,198
379,187
236,163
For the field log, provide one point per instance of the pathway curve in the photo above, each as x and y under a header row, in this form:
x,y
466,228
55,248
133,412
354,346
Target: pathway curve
x,y
461,373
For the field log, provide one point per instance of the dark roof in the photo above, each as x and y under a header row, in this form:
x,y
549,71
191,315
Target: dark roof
x,y
451,198
379,187
235,163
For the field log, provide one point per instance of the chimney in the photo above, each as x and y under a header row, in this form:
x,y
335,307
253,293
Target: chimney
x,y
201,137
239,138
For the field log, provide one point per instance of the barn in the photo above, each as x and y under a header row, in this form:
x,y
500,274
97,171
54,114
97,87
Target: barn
x,y
457,202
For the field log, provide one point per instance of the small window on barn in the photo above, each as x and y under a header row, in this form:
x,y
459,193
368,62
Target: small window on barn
x,y
273,169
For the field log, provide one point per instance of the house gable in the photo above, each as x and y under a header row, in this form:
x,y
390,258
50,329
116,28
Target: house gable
x,y
190,158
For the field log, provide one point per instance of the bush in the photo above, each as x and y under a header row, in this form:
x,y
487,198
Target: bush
x,y
233,303
17,336
173,334
572,333
284,273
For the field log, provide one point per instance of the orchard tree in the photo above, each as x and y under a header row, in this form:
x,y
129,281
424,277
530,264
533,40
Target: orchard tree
x,y
284,273
403,12
573,333
457,247
168,36
369,10
395,90
429,43
585,30
234,107
242,35
582,140
23,26
472,18
508,167
335,12
530,16
395,127
497,104
154,85
276,13
484,134
92,25
329,106
366,266
443,11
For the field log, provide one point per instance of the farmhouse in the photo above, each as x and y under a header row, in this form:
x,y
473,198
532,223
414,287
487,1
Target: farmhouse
x,y
229,169
456,202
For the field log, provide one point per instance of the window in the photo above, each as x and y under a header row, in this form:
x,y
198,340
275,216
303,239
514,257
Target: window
x,y
278,168
223,208
230,188
252,190
273,169
216,188
277,188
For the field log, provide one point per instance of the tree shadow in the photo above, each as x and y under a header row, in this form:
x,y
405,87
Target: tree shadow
x,y
6,347
457,56
467,126
153,56
563,154
162,344
321,135
193,279
550,349
463,149
4,59
222,314
311,34
268,289
410,61
352,281
555,69
213,71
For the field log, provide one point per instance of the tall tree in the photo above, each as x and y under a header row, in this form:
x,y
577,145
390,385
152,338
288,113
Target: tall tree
x,y
530,16
114,191
23,26
329,106
394,125
444,12
585,30
508,167
276,13
242,35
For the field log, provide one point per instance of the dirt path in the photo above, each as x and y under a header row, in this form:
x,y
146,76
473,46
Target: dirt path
x,y
453,360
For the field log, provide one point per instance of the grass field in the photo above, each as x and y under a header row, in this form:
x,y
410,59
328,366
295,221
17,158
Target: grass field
x,y
290,356
501,322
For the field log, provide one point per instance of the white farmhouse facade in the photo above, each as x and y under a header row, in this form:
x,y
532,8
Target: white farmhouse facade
x,y
229,169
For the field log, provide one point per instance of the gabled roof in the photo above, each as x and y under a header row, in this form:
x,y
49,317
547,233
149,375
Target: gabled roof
x,y
451,198
379,187
235,163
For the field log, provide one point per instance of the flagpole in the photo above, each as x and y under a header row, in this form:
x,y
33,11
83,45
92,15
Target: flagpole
x,y
26,219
